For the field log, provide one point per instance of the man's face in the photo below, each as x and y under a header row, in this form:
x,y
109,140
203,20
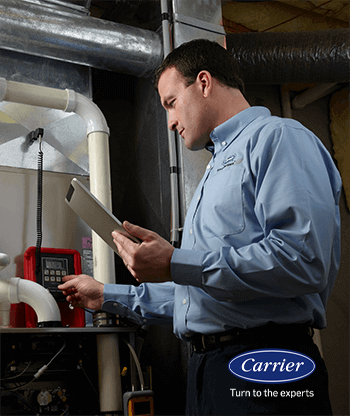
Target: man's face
x,y
188,113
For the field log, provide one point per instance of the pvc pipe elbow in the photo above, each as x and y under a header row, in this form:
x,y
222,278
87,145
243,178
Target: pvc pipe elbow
x,y
35,295
88,111
66,100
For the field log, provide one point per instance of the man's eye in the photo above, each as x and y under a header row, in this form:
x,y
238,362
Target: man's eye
x,y
172,103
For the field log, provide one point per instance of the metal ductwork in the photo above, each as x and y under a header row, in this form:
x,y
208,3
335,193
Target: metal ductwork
x,y
284,57
47,31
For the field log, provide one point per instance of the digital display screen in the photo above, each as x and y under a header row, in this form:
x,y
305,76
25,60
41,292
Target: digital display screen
x,y
55,264
142,408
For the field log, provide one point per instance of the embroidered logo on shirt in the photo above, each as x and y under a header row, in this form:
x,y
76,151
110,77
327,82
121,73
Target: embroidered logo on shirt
x,y
229,161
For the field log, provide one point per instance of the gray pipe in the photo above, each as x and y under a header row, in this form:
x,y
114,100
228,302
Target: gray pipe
x,y
282,57
44,31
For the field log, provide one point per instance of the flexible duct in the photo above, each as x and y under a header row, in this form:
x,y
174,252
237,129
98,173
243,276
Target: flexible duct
x,y
44,31
282,57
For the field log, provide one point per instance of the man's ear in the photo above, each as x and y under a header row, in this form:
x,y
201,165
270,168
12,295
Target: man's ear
x,y
205,81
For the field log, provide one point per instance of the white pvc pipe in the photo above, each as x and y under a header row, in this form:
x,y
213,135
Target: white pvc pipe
x,y
5,308
107,344
89,112
21,93
98,134
103,256
16,290
100,186
5,304
65,100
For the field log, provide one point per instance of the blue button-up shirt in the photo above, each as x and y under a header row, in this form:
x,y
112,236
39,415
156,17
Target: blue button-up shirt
x,y
261,240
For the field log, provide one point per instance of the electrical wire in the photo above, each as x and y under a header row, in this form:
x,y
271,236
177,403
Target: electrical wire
x,y
81,367
137,362
59,352
39,372
18,375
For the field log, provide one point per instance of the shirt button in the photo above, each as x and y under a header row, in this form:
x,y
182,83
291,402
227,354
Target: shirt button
x,y
191,231
208,167
223,143
184,301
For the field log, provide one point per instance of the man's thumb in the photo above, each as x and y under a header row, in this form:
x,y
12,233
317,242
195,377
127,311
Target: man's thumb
x,y
135,230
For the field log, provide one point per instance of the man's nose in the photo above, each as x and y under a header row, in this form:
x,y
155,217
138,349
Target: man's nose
x,y
172,124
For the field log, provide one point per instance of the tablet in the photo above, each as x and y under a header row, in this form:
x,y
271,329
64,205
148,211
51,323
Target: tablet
x,y
94,214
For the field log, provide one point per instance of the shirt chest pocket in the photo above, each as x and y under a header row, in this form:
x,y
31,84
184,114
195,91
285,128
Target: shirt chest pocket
x,y
221,211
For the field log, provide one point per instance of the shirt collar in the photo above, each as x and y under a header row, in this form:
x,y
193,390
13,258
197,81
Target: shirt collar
x,y
225,133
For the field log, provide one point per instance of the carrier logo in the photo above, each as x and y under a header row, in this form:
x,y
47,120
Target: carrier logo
x,y
272,366
229,161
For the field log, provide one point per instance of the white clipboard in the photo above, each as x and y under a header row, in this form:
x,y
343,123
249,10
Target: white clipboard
x,y
94,214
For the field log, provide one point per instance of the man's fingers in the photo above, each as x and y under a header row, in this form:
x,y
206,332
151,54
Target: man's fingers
x,y
141,234
136,231
124,246
120,241
68,282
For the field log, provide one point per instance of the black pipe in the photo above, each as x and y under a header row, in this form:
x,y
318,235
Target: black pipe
x,y
283,57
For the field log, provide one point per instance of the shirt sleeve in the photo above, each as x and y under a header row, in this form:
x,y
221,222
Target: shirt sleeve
x,y
147,304
297,190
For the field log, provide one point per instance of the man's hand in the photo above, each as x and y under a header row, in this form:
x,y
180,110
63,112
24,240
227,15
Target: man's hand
x,y
148,261
83,291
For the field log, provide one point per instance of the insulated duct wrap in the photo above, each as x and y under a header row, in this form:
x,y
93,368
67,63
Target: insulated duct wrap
x,y
296,57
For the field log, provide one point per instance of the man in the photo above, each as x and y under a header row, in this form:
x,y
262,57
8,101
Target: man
x,y
260,249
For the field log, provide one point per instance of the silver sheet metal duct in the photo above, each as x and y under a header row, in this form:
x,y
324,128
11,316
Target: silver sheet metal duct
x,y
47,31
284,57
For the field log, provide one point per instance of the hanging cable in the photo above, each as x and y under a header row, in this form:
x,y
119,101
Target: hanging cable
x,y
38,134
137,362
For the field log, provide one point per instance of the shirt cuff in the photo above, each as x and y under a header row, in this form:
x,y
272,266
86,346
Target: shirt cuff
x,y
186,267
119,301
111,291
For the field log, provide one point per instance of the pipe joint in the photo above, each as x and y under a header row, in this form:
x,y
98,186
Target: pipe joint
x,y
91,114
70,101
13,290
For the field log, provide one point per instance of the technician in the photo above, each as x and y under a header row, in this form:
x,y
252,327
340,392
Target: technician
x,y
261,242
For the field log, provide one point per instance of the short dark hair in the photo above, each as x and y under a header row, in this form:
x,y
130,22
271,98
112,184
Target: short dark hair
x,y
202,54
